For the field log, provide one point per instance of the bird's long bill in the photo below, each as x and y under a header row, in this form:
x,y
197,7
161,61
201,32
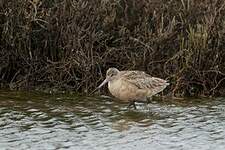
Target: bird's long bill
x,y
103,83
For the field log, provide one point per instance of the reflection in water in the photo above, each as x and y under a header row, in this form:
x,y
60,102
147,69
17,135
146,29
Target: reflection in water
x,y
41,121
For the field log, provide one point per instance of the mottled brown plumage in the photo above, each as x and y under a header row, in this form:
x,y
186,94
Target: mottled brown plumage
x,y
132,86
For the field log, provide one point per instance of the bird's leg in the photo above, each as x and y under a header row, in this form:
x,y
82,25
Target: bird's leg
x,y
132,103
149,99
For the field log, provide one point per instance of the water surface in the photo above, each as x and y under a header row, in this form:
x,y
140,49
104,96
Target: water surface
x,y
31,120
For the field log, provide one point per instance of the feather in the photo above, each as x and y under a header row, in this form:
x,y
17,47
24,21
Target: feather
x,y
144,81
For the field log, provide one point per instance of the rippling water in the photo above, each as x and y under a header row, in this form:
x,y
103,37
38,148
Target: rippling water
x,y
41,121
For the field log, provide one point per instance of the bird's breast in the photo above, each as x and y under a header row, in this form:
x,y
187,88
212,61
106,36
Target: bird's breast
x,y
115,88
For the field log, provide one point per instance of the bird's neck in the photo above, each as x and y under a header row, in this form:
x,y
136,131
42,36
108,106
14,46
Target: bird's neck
x,y
109,83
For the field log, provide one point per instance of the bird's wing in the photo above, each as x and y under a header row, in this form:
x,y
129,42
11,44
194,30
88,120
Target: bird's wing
x,y
142,80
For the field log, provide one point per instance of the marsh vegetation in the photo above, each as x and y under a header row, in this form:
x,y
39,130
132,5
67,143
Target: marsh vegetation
x,y
69,44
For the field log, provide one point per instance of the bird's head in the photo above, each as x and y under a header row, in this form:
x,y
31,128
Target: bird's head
x,y
110,75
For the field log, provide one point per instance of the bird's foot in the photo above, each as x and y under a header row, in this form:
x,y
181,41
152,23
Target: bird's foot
x,y
132,103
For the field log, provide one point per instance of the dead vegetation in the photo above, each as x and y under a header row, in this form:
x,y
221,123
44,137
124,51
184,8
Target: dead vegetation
x,y
69,44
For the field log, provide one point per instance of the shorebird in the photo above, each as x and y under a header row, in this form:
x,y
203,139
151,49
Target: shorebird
x,y
132,86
